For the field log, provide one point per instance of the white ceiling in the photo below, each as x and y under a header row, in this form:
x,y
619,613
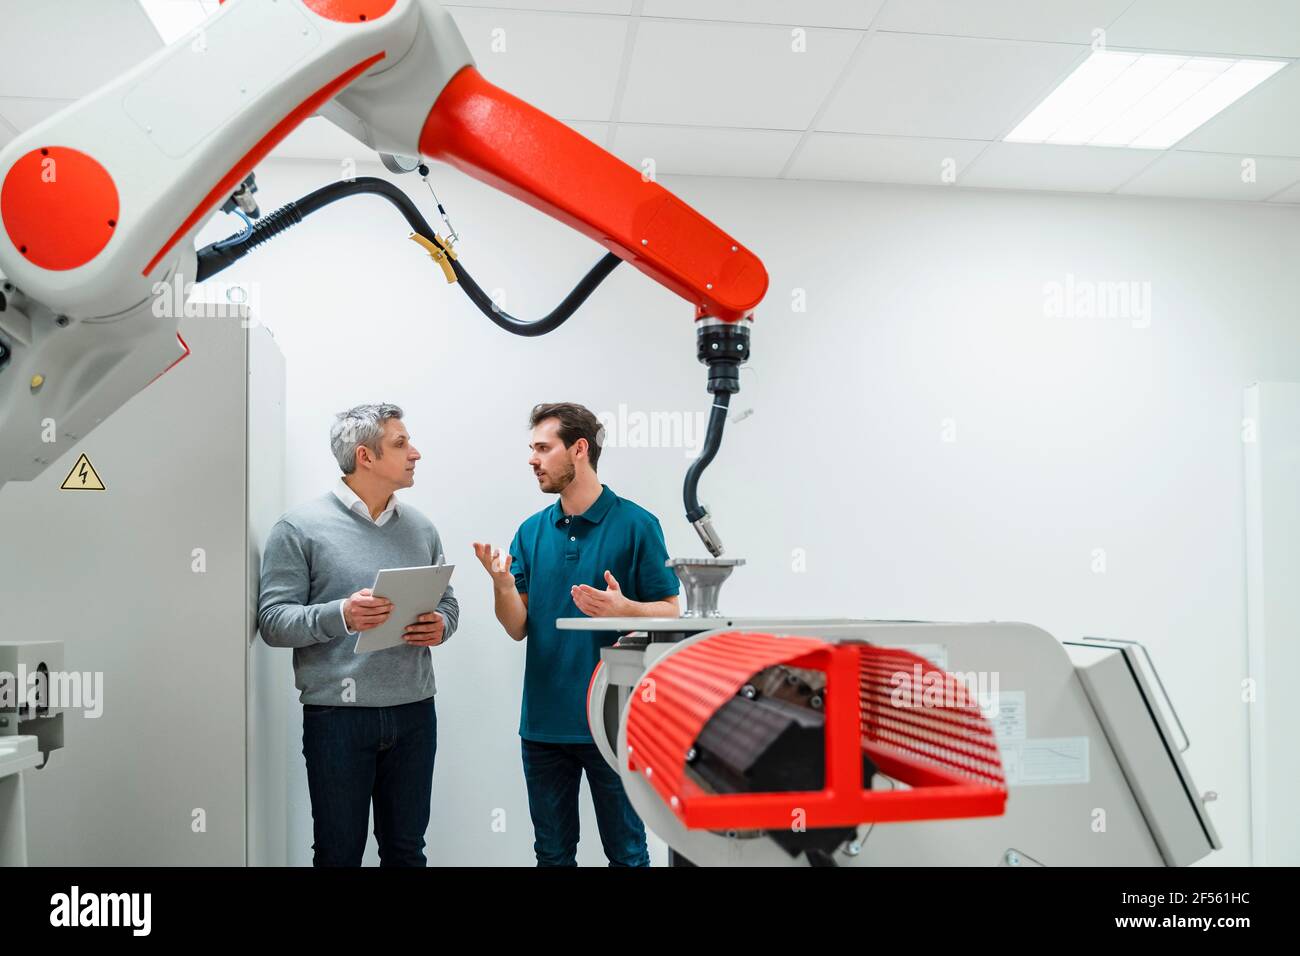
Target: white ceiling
x,y
909,91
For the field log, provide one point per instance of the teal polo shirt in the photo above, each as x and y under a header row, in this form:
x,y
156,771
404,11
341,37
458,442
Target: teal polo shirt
x,y
552,552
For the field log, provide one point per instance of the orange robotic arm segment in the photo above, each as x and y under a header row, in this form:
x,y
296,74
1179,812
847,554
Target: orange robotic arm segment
x,y
503,141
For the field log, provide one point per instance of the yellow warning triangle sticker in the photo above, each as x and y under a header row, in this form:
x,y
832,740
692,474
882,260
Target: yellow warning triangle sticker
x,y
82,477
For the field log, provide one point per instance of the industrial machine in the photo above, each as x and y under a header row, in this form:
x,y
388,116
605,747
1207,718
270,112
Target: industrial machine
x,y
760,741
741,741
34,694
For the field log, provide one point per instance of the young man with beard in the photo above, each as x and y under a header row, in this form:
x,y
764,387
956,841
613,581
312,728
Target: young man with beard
x,y
591,553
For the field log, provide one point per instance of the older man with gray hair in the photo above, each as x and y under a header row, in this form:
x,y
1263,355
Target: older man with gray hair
x,y
369,728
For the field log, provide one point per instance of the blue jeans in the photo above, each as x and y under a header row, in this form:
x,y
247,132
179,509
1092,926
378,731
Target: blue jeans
x,y
359,754
553,773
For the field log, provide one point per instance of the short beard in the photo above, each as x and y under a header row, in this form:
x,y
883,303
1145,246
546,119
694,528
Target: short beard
x,y
562,482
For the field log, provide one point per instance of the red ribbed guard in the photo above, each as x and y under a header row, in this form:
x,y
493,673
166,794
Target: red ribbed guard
x,y
943,750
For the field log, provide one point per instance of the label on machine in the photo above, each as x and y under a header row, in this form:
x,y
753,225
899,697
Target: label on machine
x,y
1006,712
1045,760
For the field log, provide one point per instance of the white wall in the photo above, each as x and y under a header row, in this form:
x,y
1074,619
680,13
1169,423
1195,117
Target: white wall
x,y
1272,463
923,306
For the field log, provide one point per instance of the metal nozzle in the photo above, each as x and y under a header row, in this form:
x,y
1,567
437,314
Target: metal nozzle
x,y
702,578
704,528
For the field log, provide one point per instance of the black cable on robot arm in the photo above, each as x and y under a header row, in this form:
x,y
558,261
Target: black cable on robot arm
x,y
221,255
712,442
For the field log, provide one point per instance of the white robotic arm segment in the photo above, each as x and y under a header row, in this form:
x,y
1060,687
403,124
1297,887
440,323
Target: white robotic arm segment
x,y
99,205
159,149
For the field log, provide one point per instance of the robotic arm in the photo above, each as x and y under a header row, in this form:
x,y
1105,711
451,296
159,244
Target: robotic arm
x,y
100,204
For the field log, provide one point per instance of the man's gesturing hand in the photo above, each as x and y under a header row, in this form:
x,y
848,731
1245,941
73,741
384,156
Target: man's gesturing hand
x,y
363,610
427,631
607,603
497,564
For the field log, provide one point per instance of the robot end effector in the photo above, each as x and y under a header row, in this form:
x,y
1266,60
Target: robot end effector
x,y
723,347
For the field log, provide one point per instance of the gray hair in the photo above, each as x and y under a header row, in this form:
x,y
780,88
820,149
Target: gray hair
x,y
362,425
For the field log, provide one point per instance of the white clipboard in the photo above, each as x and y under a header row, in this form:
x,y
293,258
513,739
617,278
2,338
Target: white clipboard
x,y
413,591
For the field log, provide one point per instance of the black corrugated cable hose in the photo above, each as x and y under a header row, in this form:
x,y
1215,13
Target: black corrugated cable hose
x,y
220,255
712,442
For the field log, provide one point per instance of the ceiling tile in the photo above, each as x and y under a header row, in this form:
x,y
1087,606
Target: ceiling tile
x,y
736,75
935,79
1068,22
883,159
1213,176
1288,195
1254,28
1251,125
553,6
852,14
66,49
1067,168
702,151
24,112
565,64
945,87
598,133
174,19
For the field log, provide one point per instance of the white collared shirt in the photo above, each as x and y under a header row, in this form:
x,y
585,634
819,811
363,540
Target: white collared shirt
x,y
352,501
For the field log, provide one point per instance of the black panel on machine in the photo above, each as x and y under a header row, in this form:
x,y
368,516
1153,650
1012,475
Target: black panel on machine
x,y
771,738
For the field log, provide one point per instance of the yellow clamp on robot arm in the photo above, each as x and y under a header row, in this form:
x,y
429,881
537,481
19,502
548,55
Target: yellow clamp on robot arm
x,y
441,252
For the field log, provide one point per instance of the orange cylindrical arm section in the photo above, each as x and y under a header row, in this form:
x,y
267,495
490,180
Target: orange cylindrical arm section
x,y
503,141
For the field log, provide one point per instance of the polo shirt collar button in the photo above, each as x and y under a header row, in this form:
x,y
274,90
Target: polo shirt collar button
x,y
571,538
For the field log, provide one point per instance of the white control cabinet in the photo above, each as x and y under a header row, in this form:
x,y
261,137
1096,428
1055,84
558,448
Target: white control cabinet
x,y
180,752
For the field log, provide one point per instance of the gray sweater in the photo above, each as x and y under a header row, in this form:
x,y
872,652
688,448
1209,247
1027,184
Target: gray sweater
x,y
316,556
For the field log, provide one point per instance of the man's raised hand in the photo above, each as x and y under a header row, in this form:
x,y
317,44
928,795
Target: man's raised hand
x,y
497,563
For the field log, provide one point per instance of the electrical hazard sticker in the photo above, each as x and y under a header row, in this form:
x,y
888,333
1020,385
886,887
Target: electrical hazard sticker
x,y
83,477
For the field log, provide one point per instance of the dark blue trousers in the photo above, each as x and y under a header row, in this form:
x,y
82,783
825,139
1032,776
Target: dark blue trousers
x,y
359,755
553,773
